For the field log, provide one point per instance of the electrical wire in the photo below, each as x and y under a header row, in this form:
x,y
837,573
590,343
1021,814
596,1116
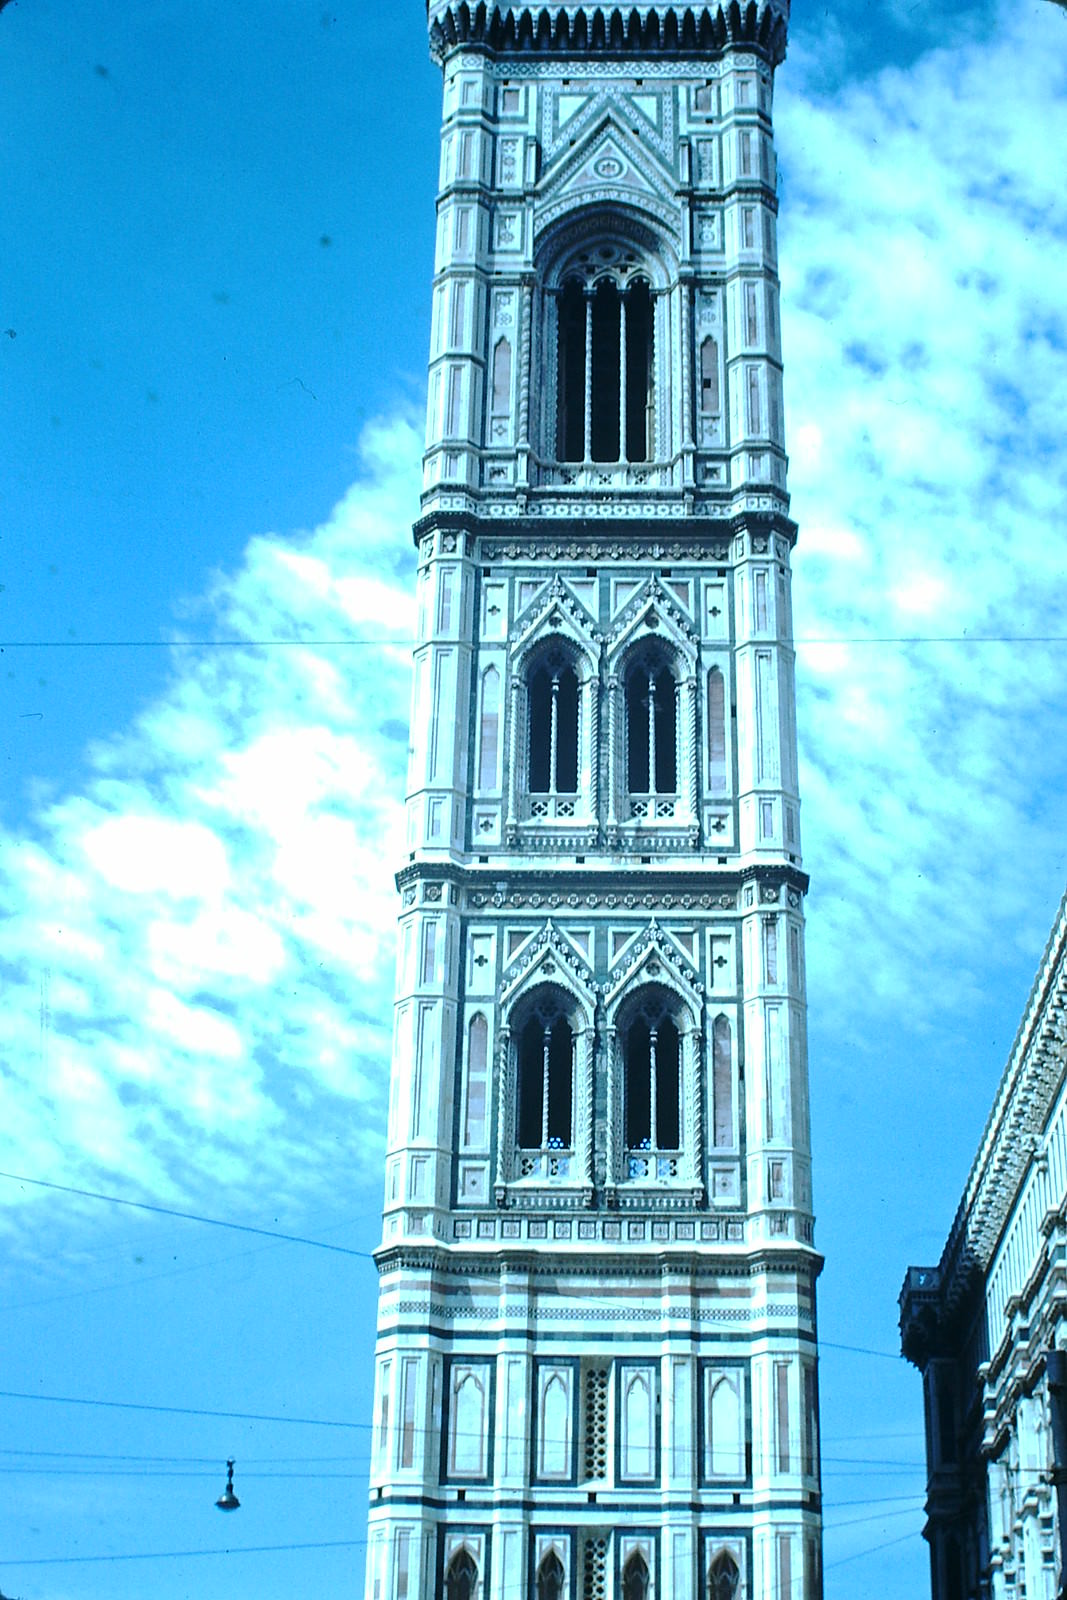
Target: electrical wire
x,y
189,1216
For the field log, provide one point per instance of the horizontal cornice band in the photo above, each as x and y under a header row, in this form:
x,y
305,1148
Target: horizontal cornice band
x,y
600,30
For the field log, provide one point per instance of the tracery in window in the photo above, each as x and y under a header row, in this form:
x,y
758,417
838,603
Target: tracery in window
x,y
550,1577
545,1079
606,362
552,698
651,731
724,1579
461,1579
651,1064
635,1578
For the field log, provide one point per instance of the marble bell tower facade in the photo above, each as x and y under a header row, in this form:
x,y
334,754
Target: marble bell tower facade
x,y
596,1362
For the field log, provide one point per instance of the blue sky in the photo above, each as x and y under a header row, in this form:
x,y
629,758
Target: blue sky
x,y
216,250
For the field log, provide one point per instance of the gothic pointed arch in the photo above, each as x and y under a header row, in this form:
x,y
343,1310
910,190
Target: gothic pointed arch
x,y
461,1577
551,1577
724,1578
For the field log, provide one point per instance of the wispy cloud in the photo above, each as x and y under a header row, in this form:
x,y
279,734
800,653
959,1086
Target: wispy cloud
x,y
208,922
926,361
197,947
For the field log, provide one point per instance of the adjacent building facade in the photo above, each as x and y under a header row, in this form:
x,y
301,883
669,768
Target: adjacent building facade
x,y
980,1326
596,1361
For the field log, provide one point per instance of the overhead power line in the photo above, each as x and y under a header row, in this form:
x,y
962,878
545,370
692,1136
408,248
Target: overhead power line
x,y
189,1216
182,1411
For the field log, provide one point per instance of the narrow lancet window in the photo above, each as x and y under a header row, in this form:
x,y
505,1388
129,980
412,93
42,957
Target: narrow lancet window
x,y
652,1085
635,1578
651,729
550,1578
546,1071
461,1580
607,367
724,1578
553,702
572,353
637,306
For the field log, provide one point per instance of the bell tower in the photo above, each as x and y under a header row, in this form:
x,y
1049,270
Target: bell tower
x,y
596,1363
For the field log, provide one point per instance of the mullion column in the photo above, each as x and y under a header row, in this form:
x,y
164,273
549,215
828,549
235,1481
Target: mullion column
x,y
622,378
588,419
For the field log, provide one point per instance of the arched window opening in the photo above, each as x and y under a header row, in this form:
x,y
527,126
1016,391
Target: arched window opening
x,y
572,320
635,1578
652,1084
724,1578
606,368
501,378
553,701
651,732
461,1579
477,1083
550,1578
546,1071
638,408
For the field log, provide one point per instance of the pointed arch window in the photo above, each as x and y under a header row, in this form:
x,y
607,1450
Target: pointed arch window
x,y
722,1084
636,1580
653,1084
546,1083
606,366
724,1578
553,695
651,736
461,1579
716,704
550,1578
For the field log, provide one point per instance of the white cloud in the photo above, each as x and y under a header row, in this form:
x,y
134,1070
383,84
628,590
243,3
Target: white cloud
x,y
200,940
925,333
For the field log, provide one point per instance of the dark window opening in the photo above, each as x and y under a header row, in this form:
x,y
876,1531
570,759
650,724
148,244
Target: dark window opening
x,y
653,1099
572,372
546,1058
635,1578
553,703
651,728
550,1578
605,413
461,1578
724,1578
639,372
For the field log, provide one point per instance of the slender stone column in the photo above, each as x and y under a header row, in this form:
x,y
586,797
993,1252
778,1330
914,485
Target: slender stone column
x,y
511,816
622,378
505,1132
613,756
588,435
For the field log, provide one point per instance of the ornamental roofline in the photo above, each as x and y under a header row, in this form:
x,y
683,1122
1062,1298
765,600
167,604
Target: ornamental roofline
x,y
690,31
1028,1087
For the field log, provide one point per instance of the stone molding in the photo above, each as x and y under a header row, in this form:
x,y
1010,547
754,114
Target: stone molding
x,y
600,30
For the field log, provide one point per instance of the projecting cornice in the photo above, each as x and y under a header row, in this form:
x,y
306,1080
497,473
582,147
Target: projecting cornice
x,y
1031,1082
601,30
